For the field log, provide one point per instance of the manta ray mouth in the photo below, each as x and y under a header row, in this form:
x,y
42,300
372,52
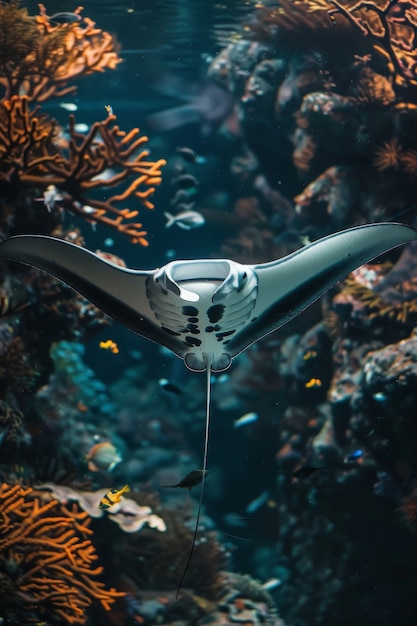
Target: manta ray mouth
x,y
203,309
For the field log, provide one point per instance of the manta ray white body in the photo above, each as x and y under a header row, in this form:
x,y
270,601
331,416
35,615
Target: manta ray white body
x,y
208,311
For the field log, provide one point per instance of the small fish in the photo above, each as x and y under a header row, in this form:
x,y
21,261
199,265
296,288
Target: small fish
x,y
185,181
81,127
103,457
247,418
186,220
50,196
180,196
189,155
109,345
353,456
313,382
271,584
65,17
89,210
69,106
113,496
169,387
310,354
258,502
306,470
380,396
190,480
109,109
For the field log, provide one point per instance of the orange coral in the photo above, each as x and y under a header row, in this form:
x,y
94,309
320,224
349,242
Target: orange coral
x,y
31,157
389,24
46,547
392,24
409,508
39,57
373,88
392,155
377,307
388,155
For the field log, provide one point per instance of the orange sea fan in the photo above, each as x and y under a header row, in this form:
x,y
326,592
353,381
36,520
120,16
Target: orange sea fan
x,y
39,57
46,547
31,157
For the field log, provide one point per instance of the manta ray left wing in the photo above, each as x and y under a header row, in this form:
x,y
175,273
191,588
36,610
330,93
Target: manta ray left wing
x,y
207,311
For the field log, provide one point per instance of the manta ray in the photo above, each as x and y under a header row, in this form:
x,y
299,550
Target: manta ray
x,y
207,311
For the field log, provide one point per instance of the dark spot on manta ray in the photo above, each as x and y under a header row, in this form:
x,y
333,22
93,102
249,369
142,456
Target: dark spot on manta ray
x,y
226,333
215,312
211,329
192,341
168,331
189,310
193,320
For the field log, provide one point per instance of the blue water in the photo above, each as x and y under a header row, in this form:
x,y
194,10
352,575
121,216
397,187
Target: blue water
x,y
338,543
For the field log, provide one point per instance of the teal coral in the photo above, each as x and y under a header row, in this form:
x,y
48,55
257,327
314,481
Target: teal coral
x,y
73,373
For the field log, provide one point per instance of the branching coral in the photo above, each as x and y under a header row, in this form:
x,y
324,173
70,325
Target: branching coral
x,y
46,558
30,156
389,25
39,56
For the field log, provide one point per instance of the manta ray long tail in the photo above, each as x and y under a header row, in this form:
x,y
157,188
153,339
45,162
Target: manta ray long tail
x,y
206,442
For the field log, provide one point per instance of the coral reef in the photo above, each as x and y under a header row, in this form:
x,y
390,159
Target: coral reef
x,y
40,56
46,560
316,497
40,60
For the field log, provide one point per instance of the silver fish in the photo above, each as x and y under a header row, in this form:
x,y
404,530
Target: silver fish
x,y
186,220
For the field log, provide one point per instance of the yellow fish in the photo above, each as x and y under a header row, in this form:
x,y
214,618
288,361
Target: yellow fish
x,y
109,345
313,382
112,497
109,109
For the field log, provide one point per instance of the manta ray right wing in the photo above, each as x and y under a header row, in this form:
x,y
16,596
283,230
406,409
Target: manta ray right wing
x,y
289,285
